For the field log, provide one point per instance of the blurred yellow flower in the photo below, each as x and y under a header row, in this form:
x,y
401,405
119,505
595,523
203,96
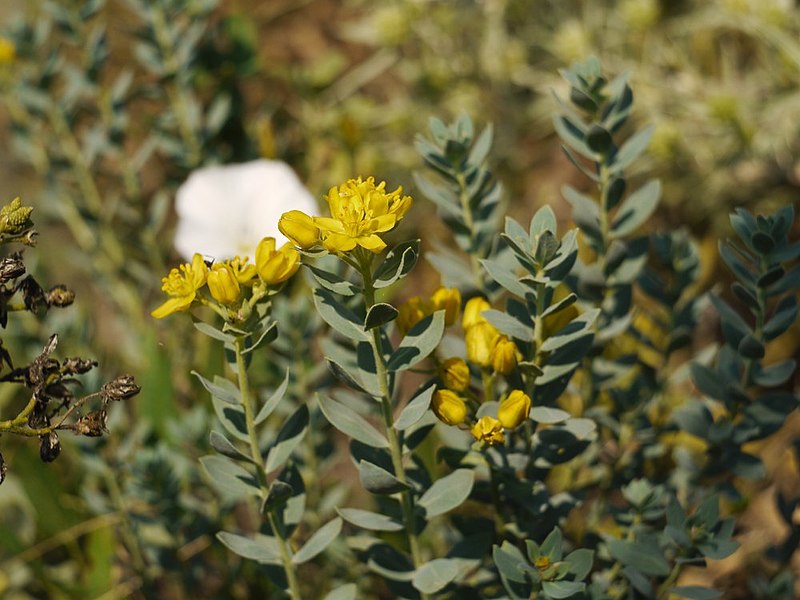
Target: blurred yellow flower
x,y
181,285
472,311
411,312
455,374
276,266
8,52
449,300
505,355
480,339
514,409
360,210
223,284
449,407
488,430
299,228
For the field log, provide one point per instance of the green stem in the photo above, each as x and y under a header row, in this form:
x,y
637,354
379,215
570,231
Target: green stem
x,y
466,213
255,453
664,588
761,300
385,399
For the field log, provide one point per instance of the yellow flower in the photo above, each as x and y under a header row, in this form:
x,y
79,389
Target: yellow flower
x,y
223,284
360,210
449,300
488,430
242,269
505,355
276,266
411,312
8,52
514,409
480,339
449,407
472,311
299,228
455,374
182,285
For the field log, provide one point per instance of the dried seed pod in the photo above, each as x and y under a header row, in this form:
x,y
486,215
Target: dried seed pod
x,y
59,295
93,424
50,447
3,469
11,267
77,366
32,295
119,388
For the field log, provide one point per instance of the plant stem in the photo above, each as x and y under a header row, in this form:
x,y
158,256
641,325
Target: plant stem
x,y
255,453
663,589
385,399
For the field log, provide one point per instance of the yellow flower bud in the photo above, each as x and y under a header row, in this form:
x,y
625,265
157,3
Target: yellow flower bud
x,y
222,284
449,300
514,409
488,430
299,228
505,355
8,52
472,311
449,407
455,374
411,312
480,339
276,266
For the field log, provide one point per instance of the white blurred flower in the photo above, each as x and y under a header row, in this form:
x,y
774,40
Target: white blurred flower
x,y
224,211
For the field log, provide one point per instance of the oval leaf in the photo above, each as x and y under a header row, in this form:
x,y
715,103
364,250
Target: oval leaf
x,y
418,343
318,542
349,422
369,520
447,493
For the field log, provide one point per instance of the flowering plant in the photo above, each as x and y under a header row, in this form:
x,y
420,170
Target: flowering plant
x,y
522,450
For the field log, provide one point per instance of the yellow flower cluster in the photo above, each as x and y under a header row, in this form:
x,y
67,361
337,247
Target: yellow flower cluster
x,y
486,348
416,308
360,211
8,52
225,280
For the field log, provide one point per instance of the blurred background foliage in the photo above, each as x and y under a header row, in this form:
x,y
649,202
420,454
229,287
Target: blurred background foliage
x,y
106,106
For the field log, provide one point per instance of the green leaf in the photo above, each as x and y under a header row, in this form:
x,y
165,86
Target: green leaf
x,y
547,415
507,324
289,436
599,139
338,316
576,329
350,379
784,317
273,400
379,314
369,520
585,211
221,388
543,220
649,561
580,562
562,589
398,263
261,548
379,481
415,409
505,277
318,542
481,147
230,480
225,447
551,546
332,282
447,493
774,375
560,305
632,148
346,420
435,574
213,332
636,209
348,591
418,343
232,418
695,592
